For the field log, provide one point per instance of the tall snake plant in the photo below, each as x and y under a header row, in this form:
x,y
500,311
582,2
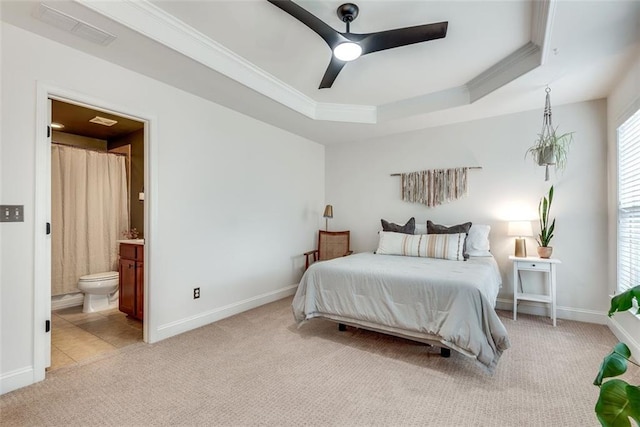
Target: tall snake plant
x,y
546,229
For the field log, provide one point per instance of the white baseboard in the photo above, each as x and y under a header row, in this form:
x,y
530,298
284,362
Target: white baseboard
x,y
16,379
183,325
623,335
25,376
65,301
567,313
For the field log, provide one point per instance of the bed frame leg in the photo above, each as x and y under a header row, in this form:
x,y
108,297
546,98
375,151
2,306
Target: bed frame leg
x,y
445,352
342,327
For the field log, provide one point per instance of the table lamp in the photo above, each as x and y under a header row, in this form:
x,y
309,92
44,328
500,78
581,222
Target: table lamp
x,y
328,213
520,229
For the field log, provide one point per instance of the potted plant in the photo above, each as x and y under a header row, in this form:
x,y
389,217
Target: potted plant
x,y
551,149
546,226
618,401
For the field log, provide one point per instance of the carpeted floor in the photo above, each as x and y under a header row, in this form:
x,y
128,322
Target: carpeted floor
x,y
257,368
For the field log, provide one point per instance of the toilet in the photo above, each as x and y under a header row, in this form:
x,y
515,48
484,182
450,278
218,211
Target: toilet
x,y
100,291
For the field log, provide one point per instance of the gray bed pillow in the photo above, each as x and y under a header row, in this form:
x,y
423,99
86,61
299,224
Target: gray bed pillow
x,y
454,229
408,228
443,229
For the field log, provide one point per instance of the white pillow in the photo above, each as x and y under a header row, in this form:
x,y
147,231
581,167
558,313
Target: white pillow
x,y
478,240
442,246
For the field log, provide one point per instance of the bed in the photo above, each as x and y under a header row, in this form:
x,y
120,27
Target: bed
x,y
447,303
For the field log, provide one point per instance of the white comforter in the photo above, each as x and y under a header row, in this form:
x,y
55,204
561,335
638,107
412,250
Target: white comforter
x,y
420,297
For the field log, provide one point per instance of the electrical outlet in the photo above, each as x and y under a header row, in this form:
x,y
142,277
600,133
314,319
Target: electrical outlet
x,y
196,293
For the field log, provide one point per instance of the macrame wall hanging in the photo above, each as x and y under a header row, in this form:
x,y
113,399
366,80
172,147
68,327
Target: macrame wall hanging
x,y
435,186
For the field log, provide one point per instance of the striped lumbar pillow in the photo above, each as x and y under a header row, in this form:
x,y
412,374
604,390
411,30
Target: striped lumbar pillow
x,y
442,246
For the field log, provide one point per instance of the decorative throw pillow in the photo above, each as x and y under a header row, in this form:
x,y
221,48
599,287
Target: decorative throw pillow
x,y
443,229
454,229
441,246
408,228
478,240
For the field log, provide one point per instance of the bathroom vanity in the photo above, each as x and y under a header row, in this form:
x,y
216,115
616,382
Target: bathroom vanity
x,y
131,299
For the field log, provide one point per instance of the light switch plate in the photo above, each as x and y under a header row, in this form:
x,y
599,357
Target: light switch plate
x,y
11,213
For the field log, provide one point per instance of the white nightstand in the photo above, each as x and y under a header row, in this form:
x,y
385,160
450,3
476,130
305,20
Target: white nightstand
x,y
543,265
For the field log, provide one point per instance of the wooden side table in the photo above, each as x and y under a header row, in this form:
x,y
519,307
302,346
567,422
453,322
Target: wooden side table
x,y
542,265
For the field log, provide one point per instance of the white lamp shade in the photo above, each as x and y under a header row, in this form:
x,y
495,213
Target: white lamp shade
x,y
520,228
347,51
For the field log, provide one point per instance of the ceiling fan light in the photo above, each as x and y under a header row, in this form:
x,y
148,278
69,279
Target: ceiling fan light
x,y
347,51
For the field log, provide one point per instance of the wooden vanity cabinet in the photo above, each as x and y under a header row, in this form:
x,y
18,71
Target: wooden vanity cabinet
x,y
131,298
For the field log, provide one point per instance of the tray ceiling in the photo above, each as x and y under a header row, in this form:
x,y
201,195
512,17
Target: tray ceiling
x,y
252,57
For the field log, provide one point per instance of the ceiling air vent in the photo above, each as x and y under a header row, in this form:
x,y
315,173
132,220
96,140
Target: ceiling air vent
x,y
103,121
72,25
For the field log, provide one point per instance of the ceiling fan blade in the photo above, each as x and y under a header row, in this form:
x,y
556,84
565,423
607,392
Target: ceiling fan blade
x,y
328,34
374,42
332,72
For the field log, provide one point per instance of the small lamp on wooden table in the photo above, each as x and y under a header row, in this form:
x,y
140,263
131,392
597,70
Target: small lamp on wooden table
x,y
520,229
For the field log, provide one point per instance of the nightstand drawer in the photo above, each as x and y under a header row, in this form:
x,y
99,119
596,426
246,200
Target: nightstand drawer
x,y
534,266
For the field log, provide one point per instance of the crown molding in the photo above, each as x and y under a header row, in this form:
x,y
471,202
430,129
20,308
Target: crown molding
x,y
428,103
346,113
523,60
513,66
156,24
543,13
162,27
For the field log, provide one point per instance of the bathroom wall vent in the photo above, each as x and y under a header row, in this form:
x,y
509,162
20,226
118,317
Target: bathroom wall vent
x,y
72,25
103,121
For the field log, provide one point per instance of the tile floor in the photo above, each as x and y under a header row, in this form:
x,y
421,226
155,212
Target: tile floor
x,y
76,336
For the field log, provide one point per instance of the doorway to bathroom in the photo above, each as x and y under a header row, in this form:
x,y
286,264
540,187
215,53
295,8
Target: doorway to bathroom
x,y
97,204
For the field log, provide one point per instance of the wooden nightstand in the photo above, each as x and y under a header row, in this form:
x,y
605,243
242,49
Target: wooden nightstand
x,y
542,265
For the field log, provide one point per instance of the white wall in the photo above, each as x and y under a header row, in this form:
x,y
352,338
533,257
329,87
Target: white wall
x,y
362,192
623,102
235,202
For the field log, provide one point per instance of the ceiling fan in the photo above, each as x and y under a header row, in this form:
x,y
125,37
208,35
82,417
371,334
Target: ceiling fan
x,y
348,46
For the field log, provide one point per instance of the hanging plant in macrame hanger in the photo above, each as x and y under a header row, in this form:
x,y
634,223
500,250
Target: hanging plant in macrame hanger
x,y
550,149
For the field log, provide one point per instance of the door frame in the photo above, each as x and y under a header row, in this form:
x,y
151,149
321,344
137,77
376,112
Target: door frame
x,y
42,212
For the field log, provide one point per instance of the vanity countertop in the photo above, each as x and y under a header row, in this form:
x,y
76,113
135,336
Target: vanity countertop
x,y
132,241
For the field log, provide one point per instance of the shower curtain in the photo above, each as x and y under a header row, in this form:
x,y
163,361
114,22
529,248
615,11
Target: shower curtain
x,y
89,213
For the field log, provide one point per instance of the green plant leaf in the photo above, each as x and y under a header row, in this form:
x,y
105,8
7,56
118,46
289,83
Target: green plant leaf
x,y
621,302
633,393
546,230
550,139
617,402
614,364
624,301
